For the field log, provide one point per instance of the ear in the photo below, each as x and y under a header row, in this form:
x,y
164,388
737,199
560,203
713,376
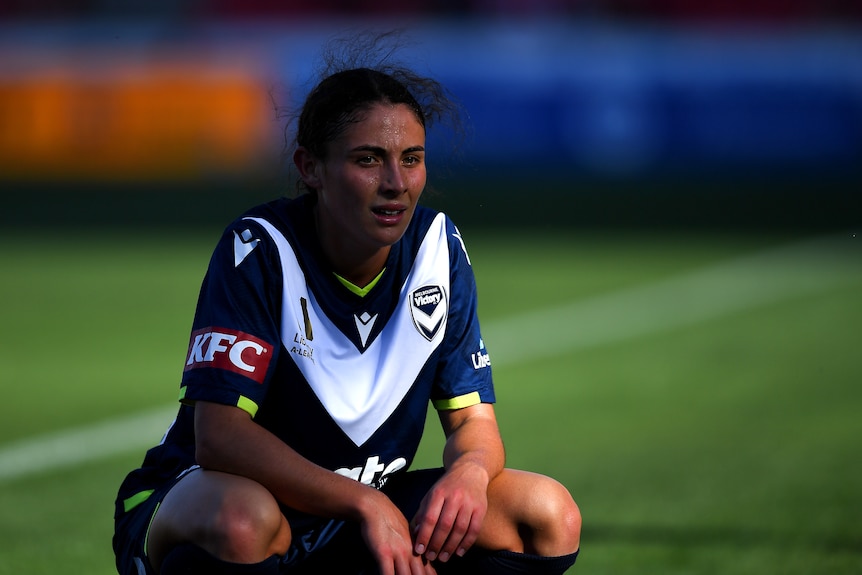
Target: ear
x,y
309,167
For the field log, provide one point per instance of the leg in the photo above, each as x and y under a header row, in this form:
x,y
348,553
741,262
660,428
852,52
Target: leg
x,y
530,513
532,527
232,518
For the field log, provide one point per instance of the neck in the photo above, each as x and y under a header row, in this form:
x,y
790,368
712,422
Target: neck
x,y
358,264
360,275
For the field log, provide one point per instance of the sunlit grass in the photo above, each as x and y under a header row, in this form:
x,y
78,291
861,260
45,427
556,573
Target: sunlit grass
x,y
729,446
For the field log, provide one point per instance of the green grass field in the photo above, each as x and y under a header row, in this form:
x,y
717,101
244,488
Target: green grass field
x,y
699,395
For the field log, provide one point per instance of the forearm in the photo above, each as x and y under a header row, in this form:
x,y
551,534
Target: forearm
x,y
452,512
227,440
474,439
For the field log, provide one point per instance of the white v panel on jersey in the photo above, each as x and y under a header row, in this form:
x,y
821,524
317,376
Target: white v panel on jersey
x,y
361,388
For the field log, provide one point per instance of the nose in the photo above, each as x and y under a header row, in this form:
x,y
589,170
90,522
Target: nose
x,y
394,182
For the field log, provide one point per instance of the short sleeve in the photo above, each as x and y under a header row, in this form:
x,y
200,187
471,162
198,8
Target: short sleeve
x,y
235,339
464,372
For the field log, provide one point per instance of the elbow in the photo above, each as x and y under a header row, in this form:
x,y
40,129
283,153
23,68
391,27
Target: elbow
x,y
207,449
206,453
213,425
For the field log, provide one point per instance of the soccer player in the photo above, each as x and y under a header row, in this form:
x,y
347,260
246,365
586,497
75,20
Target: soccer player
x,y
324,326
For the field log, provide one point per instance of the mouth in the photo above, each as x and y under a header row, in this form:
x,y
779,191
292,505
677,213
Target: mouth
x,y
389,215
387,212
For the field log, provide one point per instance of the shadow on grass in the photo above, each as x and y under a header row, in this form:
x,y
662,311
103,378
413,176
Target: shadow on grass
x,y
718,537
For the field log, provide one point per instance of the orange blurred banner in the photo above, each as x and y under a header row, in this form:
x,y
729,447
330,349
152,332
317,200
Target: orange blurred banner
x,y
106,118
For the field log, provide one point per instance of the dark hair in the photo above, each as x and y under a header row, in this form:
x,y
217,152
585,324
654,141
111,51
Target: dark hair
x,y
357,74
339,100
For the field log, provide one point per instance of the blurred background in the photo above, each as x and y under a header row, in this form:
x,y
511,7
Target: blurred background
x,y
669,280
611,112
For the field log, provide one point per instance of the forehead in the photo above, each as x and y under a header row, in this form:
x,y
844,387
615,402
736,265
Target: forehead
x,y
387,125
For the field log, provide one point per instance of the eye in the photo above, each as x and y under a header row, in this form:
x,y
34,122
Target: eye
x,y
411,160
366,160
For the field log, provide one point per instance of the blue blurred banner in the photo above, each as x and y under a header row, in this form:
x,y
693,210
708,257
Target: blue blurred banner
x,y
633,101
113,100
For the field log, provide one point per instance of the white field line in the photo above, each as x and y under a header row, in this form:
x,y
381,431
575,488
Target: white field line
x,y
761,279
78,445
756,280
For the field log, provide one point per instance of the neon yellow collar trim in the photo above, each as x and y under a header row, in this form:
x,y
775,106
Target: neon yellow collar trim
x,y
361,292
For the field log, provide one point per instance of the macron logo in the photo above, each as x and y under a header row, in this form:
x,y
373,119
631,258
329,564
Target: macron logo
x,y
243,244
364,324
230,350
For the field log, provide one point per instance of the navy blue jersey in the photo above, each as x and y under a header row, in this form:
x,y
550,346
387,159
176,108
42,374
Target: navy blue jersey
x,y
342,375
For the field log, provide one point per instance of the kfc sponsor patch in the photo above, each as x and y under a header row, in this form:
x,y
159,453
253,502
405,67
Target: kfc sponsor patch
x,y
235,351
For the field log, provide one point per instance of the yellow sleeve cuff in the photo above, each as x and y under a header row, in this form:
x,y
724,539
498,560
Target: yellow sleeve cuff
x,y
457,402
243,403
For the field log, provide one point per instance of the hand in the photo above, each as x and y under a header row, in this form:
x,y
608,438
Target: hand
x,y
451,514
386,533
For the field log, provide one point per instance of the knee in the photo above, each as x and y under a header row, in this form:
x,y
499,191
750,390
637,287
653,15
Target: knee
x,y
233,518
248,526
555,522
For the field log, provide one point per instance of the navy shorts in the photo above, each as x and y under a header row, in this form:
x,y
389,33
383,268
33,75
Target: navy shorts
x,y
318,545
131,528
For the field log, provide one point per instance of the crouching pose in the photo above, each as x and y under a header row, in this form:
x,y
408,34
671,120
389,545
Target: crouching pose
x,y
325,325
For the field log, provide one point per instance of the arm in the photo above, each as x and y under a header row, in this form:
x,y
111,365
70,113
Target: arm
x,y
228,440
451,515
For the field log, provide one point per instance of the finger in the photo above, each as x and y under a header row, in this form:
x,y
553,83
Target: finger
x,y
404,566
471,534
442,531
455,540
460,537
418,565
425,522
387,559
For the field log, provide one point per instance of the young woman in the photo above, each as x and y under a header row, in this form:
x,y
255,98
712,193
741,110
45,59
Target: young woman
x,y
325,325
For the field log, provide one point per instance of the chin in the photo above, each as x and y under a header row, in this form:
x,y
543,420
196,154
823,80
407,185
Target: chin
x,y
391,235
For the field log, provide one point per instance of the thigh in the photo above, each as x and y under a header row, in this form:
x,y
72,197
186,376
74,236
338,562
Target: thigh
x,y
517,500
203,508
526,513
